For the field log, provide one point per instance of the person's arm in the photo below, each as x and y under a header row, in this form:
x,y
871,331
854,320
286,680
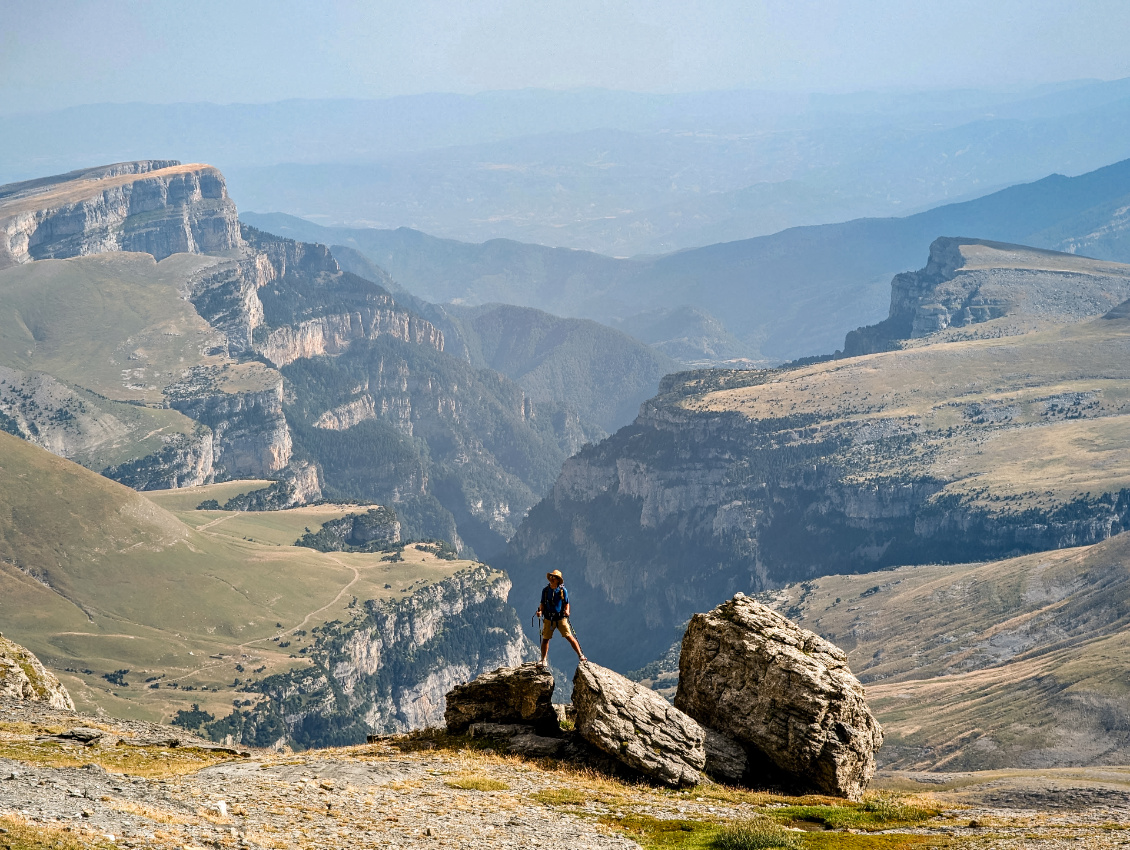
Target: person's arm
x,y
565,593
541,604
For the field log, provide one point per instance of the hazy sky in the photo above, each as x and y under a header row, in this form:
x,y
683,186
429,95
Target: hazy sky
x,y
57,53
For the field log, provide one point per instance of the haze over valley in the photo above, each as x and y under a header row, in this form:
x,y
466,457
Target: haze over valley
x,y
806,371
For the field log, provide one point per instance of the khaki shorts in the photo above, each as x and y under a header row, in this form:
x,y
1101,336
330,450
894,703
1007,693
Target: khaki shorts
x,y
562,625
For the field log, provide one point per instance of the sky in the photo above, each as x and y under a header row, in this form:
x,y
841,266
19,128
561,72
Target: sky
x,y
58,53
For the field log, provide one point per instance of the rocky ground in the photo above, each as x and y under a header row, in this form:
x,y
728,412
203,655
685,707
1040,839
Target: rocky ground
x,y
140,785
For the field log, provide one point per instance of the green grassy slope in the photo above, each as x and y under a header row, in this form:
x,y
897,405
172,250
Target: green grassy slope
x,y
114,324
96,577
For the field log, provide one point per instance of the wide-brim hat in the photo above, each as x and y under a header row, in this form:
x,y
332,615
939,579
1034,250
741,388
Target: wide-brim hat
x,y
556,574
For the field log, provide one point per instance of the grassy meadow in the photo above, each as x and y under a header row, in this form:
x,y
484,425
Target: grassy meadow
x,y
96,578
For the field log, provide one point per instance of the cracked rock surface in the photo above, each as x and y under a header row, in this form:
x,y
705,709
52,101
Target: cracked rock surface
x,y
637,726
783,692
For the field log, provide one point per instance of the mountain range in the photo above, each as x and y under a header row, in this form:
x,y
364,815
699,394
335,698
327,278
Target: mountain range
x,y
155,339
616,172
792,294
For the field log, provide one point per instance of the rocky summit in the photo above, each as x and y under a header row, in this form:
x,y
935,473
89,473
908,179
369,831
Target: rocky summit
x,y
784,693
158,207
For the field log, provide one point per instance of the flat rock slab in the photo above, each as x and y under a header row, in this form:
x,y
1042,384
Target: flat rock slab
x,y
637,727
781,691
507,695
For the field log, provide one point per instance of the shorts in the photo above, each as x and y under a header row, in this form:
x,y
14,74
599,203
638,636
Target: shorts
x,y
562,625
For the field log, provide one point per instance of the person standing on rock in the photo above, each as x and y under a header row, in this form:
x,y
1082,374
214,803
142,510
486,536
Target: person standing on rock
x,y
554,608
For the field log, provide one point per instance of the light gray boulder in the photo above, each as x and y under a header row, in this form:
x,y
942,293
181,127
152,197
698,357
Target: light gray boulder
x,y
782,692
637,727
507,695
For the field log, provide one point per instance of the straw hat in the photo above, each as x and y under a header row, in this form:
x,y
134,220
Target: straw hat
x,y
557,575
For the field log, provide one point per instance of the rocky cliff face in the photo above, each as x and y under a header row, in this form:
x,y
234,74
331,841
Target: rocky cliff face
x,y
975,288
22,677
743,481
250,434
388,669
158,207
330,335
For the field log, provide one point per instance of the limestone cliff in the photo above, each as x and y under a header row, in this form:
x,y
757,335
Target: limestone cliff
x,y
333,334
159,207
387,669
251,438
22,677
973,288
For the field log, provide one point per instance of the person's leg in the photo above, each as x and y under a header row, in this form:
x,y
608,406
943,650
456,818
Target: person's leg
x,y
546,634
567,632
576,647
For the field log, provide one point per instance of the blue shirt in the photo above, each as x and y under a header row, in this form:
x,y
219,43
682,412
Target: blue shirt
x,y
553,602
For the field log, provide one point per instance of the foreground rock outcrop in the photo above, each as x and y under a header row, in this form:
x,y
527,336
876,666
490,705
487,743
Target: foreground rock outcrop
x,y
507,695
784,693
22,677
637,726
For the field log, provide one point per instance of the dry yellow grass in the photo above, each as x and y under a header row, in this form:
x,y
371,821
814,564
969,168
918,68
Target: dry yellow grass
x,y
1035,419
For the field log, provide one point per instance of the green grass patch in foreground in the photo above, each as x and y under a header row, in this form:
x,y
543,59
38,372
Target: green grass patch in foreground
x,y
654,833
476,782
875,813
757,833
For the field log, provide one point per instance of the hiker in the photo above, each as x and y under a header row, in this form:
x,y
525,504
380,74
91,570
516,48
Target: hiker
x,y
554,608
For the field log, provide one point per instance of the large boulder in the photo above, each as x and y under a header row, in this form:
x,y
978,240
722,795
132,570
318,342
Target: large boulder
x,y
781,691
22,677
637,727
507,695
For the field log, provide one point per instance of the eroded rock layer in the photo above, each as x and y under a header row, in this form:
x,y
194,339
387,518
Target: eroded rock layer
x,y
158,207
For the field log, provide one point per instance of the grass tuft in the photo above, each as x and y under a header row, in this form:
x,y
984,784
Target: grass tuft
x,y
758,833
562,797
17,834
476,782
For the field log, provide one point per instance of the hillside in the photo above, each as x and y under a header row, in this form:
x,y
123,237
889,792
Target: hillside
x,y
94,351
1017,663
427,790
792,294
599,372
202,606
264,360
952,451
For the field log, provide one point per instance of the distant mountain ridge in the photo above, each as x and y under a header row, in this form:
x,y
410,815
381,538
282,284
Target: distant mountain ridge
x,y
793,294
